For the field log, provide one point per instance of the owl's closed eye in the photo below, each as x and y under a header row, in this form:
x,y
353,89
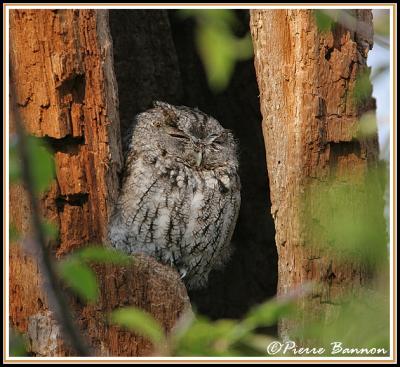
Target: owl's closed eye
x,y
180,197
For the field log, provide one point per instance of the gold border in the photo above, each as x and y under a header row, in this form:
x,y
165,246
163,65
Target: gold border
x,y
123,360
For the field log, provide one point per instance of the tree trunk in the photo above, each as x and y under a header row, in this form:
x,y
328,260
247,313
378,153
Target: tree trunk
x,y
66,93
306,80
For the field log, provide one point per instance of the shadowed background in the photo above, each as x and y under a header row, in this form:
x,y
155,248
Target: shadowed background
x,y
156,59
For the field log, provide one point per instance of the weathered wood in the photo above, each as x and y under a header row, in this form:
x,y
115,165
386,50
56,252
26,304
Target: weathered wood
x,y
66,93
310,120
146,284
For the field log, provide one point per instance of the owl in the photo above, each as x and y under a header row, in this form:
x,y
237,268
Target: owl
x,y
180,193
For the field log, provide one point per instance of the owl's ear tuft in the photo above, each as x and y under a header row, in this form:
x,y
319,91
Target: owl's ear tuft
x,y
169,112
163,105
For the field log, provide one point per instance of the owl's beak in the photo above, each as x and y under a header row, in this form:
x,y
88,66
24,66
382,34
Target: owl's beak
x,y
199,158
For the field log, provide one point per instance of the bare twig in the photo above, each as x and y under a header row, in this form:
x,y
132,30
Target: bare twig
x,y
60,305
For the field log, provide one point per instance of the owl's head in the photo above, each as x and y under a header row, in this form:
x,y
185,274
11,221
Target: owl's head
x,y
185,135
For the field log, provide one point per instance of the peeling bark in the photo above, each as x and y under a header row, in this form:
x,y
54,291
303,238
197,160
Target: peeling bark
x,y
66,93
310,123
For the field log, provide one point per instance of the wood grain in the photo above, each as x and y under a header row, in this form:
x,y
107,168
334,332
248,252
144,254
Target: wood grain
x,y
66,93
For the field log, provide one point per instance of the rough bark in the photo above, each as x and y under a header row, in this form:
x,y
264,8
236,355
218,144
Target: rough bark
x,y
66,93
306,80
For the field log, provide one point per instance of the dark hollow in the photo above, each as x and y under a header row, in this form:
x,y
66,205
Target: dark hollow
x,y
156,59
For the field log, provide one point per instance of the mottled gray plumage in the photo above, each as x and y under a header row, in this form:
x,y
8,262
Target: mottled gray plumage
x,y
180,193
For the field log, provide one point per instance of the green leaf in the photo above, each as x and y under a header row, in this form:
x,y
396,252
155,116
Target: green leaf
x,y
221,17
363,88
255,344
14,162
267,314
41,162
382,22
205,338
216,50
359,321
50,230
80,277
17,344
13,234
217,44
244,47
325,19
139,322
101,254
345,216
367,125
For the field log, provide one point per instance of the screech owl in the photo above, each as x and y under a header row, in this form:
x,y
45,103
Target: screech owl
x,y
180,193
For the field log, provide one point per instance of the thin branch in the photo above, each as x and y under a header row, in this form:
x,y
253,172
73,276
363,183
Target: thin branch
x,y
61,307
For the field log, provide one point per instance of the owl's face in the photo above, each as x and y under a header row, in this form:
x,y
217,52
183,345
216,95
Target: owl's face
x,y
190,137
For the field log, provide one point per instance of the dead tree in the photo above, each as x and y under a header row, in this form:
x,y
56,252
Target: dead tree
x,y
310,122
66,93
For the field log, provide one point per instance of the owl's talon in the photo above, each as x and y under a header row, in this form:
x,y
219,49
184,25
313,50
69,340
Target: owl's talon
x,y
182,273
